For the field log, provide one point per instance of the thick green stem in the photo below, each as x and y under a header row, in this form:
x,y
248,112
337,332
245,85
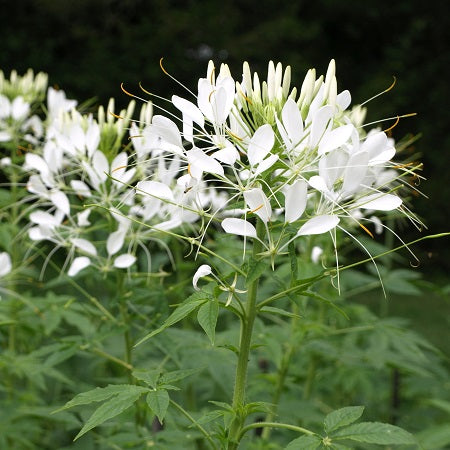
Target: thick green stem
x,y
247,323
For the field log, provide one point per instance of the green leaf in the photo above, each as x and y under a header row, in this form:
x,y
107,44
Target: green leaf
x,y
223,405
342,417
375,433
112,408
99,395
279,311
335,446
177,375
441,404
149,377
207,318
310,280
183,310
255,269
436,437
208,417
158,402
316,296
304,443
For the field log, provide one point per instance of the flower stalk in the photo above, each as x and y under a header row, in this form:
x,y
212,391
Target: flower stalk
x,y
247,322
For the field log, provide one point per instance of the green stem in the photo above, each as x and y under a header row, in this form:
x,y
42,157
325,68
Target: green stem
x,y
274,425
194,422
103,354
247,322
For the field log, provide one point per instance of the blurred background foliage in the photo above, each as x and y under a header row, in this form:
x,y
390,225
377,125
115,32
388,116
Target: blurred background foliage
x,y
89,47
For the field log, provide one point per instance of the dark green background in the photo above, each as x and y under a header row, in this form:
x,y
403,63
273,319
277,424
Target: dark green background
x,y
89,47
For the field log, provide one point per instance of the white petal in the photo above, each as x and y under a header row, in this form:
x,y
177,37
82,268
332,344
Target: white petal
x,y
189,109
335,138
227,155
78,264
124,222
84,245
60,200
238,226
319,124
266,164
77,137
316,253
80,188
44,218
115,241
100,165
119,165
82,218
355,171
377,223
5,136
203,271
295,203
166,130
380,202
124,261
36,186
292,121
5,264
374,143
260,144
319,183
200,161
318,225
344,99
20,108
92,138
258,203
155,189
36,162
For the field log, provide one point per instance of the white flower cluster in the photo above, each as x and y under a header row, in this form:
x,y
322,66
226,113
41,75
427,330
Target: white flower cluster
x,y
83,161
78,159
19,96
296,160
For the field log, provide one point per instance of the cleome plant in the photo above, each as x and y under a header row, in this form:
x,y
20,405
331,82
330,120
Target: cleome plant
x,y
192,279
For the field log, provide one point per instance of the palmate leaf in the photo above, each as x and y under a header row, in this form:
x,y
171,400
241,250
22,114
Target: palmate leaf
x,y
342,417
304,443
149,377
184,309
112,408
375,433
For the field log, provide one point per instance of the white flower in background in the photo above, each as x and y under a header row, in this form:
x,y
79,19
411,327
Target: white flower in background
x,y
5,264
30,86
58,103
18,96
